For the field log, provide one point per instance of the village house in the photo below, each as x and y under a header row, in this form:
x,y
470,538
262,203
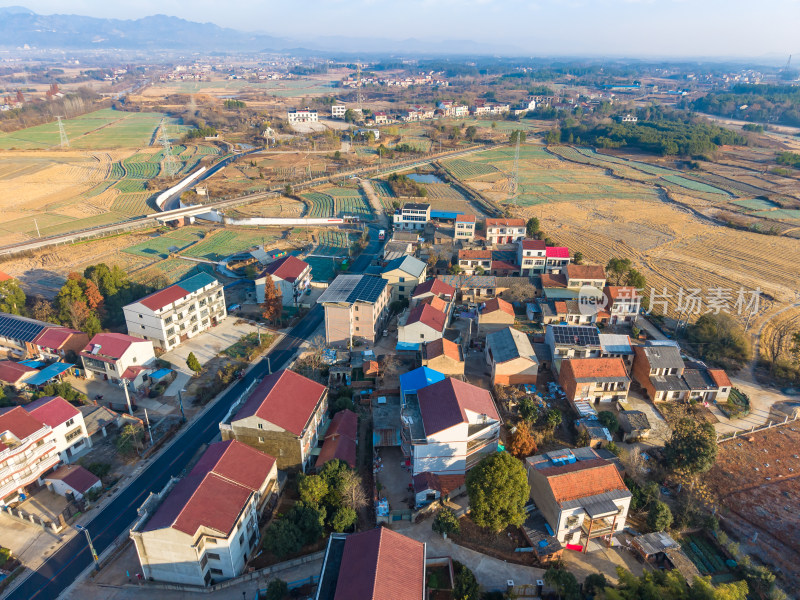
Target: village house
x,y
634,424
402,275
413,215
473,262
511,357
594,379
579,276
448,427
14,374
504,231
338,111
379,564
66,426
557,259
429,487
302,115
203,528
581,495
564,311
496,314
472,288
615,345
118,357
291,276
465,228
177,313
72,479
286,430
380,118
531,257
341,440
423,323
397,249
572,341
23,338
433,287
622,303
659,370
356,307
443,356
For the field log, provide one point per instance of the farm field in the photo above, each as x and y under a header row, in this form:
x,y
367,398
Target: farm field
x,y
756,481
337,202
283,88
223,242
332,248
272,207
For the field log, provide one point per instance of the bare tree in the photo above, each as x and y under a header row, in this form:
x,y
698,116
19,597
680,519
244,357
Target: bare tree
x,y
777,342
353,494
634,464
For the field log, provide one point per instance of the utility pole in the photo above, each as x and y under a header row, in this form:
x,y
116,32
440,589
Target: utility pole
x,y
127,396
180,403
38,233
91,546
149,430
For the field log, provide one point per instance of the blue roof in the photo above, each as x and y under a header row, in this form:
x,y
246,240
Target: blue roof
x,y
196,282
46,374
407,346
417,379
156,375
443,214
33,364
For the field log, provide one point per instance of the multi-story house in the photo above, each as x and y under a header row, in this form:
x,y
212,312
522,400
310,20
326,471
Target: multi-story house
x,y
356,307
431,288
622,303
413,215
448,427
659,370
531,257
202,529
496,314
66,424
581,495
557,259
511,356
117,357
579,276
594,379
291,276
380,118
338,110
472,288
24,338
572,341
403,275
504,231
465,228
181,311
281,417
423,323
473,262
27,451
615,345
302,115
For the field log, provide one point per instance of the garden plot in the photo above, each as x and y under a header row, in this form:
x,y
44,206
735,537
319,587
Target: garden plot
x,y
219,244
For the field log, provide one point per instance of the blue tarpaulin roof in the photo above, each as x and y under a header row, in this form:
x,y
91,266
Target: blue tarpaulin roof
x,y
443,214
407,346
33,364
417,379
48,373
156,375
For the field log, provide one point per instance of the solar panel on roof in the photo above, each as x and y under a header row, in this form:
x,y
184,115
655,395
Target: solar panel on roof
x,y
368,289
578,336
17,328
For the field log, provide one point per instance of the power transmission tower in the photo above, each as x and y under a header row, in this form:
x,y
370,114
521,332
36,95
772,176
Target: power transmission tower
x,y
513,177
169,165
359,94
62,134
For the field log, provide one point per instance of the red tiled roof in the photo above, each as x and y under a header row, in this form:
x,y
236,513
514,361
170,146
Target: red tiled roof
x,y
112,346
474,254
591,368
132,371
427,315
557,252
533,245
620,291
75,476
12,372
720,377
236,461
441,483
271,400
465,219
436,287
435,302
371,367
54,338
444,404
17,421
553,281
340,439
160,299
215,504
505,223
502,265
381,564
560,307
288,268
496,304
52,410
583,479
585,272
344,422
5,276
443,347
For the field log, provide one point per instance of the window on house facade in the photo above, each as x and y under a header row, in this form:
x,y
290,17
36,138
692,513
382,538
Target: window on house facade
x,y
215,571
213,556
260,440
261,426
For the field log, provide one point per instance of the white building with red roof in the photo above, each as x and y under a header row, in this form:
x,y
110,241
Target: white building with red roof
x,y
181,311
22,337
14,374
291,276
281,416
72,479
27,451
448,427
66,422
531,256
433,287
423,323
557,259
504,231
202,529
465,228
117,357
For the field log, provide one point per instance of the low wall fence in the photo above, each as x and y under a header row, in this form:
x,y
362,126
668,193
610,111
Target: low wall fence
x,y
771,424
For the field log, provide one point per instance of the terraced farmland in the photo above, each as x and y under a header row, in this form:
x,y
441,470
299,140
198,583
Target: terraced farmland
x,y
133,204
217,245
322,205
464,169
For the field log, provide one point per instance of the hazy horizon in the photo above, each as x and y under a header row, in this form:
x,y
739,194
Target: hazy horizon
x,y
632,28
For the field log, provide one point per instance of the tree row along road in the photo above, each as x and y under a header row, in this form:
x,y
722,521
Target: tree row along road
x,y
150,220
62,568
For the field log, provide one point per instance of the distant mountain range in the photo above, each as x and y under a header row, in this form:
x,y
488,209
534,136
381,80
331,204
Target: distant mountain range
x,y
20,27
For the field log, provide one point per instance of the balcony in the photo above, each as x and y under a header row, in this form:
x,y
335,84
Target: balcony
x,y
20,460
29,475
599,527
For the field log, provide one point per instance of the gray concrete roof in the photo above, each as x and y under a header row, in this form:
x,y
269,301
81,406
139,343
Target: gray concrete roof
x,y
508,344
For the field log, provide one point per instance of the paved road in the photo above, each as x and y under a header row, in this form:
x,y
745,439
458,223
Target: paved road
x,y
65,565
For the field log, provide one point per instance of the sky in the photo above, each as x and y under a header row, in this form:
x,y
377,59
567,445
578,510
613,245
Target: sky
x,y
631,28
